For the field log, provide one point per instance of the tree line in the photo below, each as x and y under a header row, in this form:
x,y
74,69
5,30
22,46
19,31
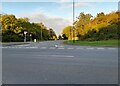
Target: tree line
x,y
101,27
13,29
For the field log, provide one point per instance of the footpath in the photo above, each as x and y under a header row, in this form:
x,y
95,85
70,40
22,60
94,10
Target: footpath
x,y
14,43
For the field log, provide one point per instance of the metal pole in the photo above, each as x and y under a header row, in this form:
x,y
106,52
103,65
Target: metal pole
x,y
25,37
41,34
73,19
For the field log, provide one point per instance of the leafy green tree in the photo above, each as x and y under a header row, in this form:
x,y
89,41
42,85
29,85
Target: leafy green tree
x,y
13,29
60,37
52,34
64,37
101,27
68,32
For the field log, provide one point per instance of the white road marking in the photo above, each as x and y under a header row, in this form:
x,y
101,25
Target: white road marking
x,y
100,48
70,48
57,56
90,48
60,46
79,48
52,48
33,47
27,47
112,48
4,47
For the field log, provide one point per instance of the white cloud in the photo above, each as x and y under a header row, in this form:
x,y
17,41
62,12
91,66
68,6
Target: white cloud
x,y
0,7
55,22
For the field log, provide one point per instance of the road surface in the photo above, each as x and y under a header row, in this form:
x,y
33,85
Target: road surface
x,y
43,63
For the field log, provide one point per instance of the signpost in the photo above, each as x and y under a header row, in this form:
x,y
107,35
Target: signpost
x,y
30,38
25,32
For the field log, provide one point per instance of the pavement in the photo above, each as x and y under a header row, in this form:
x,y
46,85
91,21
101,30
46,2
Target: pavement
x,y
14,43
46,63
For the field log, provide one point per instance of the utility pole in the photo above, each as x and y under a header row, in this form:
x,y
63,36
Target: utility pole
x,y
73,21
41,32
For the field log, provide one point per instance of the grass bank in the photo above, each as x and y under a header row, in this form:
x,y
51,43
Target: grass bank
x,y
112,43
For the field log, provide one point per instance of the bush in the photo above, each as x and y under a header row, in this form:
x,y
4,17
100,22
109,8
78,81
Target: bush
x,y
104,33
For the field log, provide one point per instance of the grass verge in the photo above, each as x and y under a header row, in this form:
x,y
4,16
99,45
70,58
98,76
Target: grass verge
x,y
111,43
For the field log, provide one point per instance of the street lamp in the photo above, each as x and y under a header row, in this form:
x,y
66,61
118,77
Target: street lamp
x,y
73,21
30,37
25,32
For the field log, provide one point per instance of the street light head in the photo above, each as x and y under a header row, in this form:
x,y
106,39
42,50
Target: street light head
x,y
30,34
25,32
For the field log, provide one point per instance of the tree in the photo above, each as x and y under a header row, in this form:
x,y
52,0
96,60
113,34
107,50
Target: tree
x,y
60,37
13,29
101,27
68,32
82,21
52,34
64,37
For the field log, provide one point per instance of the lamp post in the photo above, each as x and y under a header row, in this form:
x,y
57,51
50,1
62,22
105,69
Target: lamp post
x,y
73,34
30,37
73,21
25,32
41,34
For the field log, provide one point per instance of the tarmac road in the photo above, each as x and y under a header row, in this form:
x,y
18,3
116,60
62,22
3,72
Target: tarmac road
x,y
43,63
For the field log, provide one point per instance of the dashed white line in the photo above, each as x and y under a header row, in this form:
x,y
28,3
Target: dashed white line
x,y
4,47
90,48
56,56
79,48
52,48
112,48
60,48
33,47
100,48
27,47
70,48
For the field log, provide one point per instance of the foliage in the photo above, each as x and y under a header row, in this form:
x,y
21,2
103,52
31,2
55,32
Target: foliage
x,y
64,37
13,29
101,27
52,34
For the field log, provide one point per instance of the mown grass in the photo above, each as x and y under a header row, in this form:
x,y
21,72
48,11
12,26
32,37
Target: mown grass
x,y
112,43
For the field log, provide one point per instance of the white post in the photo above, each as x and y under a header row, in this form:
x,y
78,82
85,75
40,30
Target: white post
x,y
25,32
30,37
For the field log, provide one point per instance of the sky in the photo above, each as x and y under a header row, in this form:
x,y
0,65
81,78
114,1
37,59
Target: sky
x,y
56,15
